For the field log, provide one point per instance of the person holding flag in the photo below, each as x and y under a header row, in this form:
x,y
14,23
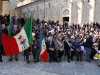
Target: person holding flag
x,y
59,47
20,42
51,49
15,31
11,25
2,30
43,51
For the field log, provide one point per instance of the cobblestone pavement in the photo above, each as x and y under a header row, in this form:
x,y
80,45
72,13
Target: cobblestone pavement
x,y
45,68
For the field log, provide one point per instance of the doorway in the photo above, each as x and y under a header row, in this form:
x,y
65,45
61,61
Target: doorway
x,y
65,19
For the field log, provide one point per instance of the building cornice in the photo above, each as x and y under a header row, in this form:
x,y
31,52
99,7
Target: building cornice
x,y
30,3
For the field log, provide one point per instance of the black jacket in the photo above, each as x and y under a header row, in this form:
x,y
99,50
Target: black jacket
x,y
48,45
15,32
2,31
66,46
89,42
35,45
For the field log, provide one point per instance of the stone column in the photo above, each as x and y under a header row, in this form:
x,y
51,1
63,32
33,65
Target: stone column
x,y
60,16
97,11
52,12
71,6
79,12
74,13
1,7
92,10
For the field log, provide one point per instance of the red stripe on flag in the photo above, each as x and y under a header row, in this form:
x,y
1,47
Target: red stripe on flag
x,y
10,45
44,56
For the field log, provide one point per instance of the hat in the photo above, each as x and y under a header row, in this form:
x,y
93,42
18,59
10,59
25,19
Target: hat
x,y
68,35
15,23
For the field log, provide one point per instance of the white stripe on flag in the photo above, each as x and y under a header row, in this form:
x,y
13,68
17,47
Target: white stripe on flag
x,y
43,46
22,40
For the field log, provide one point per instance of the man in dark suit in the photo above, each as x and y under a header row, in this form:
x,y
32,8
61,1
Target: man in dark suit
x,y
67,47
2,30
26,54
88,46
22,22
51,49
35,50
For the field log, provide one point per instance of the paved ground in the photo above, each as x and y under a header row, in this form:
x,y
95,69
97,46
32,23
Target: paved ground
x,y
46,68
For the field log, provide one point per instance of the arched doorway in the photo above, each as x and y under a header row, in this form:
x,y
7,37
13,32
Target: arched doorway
x,y
66,15
65,19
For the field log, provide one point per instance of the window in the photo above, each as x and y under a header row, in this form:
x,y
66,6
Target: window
x,y
66,0
88,1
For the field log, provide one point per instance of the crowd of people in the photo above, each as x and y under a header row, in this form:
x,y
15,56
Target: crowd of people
x,y
5,19
71,41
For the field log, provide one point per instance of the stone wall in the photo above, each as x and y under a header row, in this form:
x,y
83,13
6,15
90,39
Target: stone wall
x,y
78,11
13,5
5,7
97,11
0,7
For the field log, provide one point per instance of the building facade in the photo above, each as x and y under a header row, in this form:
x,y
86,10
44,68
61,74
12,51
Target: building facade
x,y
74,11
8,7
1,7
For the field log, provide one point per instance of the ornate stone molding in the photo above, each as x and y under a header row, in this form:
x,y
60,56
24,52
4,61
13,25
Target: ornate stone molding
x,y
66,12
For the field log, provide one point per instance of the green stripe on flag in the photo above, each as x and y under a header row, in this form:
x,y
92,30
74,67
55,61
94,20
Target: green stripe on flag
x,y
28,29
9,28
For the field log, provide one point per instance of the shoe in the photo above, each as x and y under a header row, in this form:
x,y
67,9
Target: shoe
x,y
35,61
28,61
68,60
56,60
77,59
10,59
3,54
59,59
16,59
50,61
1,60
88,60
71,58
81,60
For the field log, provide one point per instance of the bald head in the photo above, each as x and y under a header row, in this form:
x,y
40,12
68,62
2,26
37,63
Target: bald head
x,y
3,26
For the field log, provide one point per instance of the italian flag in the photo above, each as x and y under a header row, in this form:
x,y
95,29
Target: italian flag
x,y
20,42
43,53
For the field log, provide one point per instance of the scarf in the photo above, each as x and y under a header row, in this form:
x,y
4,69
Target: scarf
x,y
59,44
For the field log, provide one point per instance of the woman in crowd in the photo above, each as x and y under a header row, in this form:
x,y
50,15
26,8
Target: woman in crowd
x,y
59,47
